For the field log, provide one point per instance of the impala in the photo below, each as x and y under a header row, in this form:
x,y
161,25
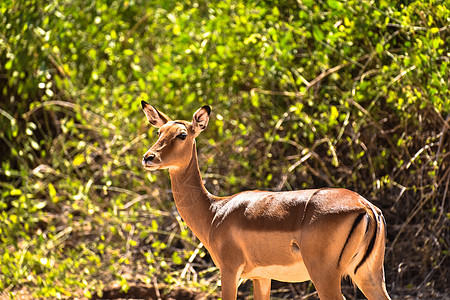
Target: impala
x,y
317,234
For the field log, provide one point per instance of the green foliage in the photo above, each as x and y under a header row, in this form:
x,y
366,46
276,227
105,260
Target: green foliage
x,y
304,94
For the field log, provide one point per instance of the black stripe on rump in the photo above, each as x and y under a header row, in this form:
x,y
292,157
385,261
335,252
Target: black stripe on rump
x,y
384,224
371,244
355,224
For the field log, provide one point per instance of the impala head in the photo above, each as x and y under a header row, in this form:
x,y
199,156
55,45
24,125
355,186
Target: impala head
x,y
173,149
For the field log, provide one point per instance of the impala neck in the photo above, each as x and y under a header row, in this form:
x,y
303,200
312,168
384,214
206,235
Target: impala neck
x,y
192,199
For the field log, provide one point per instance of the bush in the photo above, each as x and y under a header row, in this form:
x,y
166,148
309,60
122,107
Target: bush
x,y
305,94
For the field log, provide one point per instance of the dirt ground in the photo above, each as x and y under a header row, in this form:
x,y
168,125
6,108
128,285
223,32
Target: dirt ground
x,y
279,291
144,292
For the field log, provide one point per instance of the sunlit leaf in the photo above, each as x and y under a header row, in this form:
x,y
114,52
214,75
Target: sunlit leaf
x,y
78,160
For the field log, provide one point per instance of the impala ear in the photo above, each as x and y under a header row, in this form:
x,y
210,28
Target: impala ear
x,y
155,117
200,119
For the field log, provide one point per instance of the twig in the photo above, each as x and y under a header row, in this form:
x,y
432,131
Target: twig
x,y
308,84
58,67
133,142
372,56
136,26
67,104
6,114
49,103
57,64
155,285
345,57
418,28
326,73
445,127
317,174
308,153
191,259
391,83
253,91
134,201
416,210
300,161
408,165
444,198
116,189
129,239
431,273
300,76
308,295
426,147
402,191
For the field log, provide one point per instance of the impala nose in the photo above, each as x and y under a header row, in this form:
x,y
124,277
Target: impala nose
x,y
148,158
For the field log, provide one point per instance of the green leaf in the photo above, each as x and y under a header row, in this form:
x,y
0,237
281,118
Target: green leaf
x,y
154,225
434,30
334,114
334,4
35,145
317,33
40,205
15,192
176,29
51,191
78,160
176,259
8,64
276,11
308,3
379,48
128,52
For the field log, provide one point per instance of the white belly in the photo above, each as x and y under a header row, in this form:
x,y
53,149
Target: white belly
x,y
292,273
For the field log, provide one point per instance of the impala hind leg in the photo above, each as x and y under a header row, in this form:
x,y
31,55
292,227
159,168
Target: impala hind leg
x,y
325,278
261,289
328,288
371,283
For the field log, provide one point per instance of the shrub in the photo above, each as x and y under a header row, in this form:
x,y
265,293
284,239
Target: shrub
x,y
305,94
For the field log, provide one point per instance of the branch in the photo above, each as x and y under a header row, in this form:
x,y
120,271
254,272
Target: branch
x,y
191,259
308,84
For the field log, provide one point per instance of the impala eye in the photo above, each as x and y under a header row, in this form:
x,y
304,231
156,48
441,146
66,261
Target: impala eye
x,y
182,136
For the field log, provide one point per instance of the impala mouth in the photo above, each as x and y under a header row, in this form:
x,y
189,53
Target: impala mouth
x,y
150,166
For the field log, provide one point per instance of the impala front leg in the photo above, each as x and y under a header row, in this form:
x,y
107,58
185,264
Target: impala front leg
x,y
230,280
261,289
